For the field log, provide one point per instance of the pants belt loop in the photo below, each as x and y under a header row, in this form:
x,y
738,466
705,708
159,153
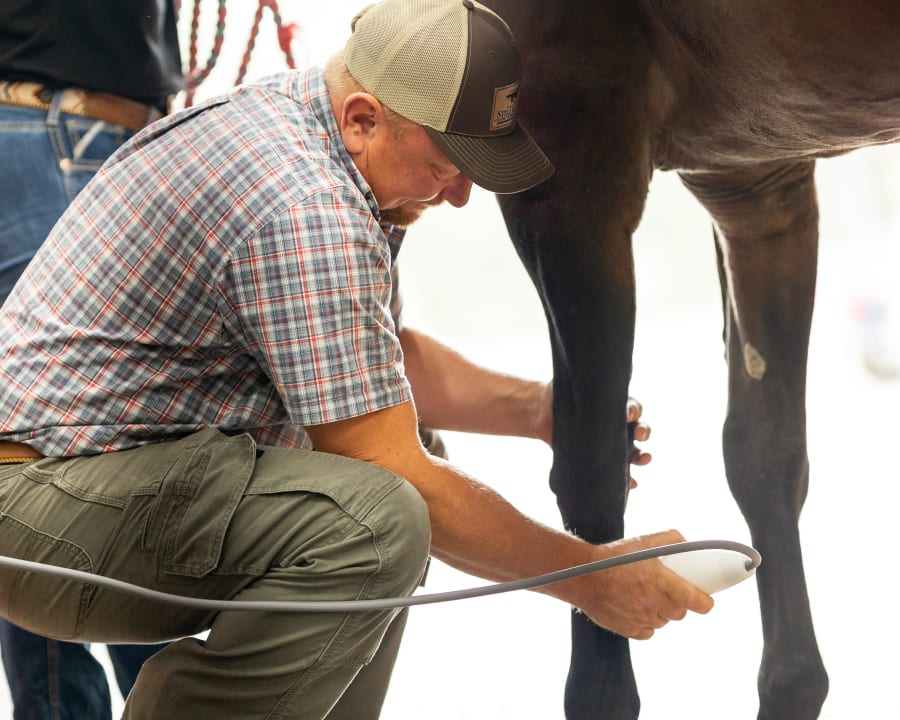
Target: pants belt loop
x,y
56,134
53,110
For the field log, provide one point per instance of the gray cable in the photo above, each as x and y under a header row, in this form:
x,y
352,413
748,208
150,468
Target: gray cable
x,y
753,561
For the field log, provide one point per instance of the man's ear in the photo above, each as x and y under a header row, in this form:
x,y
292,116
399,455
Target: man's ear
x,y
362,115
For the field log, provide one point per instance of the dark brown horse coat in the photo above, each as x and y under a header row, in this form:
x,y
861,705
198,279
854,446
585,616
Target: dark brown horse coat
x,y
739,97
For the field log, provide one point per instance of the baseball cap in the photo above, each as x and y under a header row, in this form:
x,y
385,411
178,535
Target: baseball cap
x,y
452,67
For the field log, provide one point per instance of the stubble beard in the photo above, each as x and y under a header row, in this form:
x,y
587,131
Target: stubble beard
x,y
407,213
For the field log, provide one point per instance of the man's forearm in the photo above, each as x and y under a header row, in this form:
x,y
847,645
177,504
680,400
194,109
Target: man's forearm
x,y
453,393
477,531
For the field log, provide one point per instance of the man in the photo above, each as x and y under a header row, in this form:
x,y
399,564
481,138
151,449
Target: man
x,y
218,296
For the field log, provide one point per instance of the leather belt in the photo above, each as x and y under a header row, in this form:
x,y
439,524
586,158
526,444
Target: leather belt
x,y
109,108
16,452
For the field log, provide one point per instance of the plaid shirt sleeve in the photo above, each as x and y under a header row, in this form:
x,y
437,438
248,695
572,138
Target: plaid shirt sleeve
x,y
316,315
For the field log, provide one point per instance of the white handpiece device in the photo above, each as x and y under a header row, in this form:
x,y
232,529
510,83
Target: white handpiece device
x,y
711,570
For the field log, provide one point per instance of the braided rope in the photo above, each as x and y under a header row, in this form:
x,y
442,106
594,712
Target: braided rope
x,y
195,75
195,24
286,34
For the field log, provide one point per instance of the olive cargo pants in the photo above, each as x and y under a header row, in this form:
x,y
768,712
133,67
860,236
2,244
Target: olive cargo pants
x,y
213,516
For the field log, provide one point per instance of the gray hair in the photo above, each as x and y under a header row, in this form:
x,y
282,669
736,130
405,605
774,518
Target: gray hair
x,y
341,84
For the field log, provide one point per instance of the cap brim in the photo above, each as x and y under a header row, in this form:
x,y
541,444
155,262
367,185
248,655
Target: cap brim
x,y
503,164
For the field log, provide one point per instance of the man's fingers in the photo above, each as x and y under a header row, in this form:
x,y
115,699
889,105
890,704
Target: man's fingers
x,y
641,432
640,458
658,594
684,595
633,410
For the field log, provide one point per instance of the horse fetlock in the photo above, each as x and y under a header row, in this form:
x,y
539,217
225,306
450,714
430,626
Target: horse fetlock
x,y
793,691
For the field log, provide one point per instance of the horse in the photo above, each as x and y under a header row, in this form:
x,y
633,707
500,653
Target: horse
x,y
739,99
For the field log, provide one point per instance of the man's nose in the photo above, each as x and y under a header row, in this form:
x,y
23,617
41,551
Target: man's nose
x,y
457,191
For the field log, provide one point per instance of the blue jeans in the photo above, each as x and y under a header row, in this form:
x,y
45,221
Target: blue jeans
x,y
53,680
46,158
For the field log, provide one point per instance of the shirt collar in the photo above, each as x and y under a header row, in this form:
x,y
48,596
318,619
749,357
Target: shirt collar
x,y
313,90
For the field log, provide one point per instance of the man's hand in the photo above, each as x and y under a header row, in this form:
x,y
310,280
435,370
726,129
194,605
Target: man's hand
x,y
637,432
637,599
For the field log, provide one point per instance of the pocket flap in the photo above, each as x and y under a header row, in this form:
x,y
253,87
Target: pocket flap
x,y
206,497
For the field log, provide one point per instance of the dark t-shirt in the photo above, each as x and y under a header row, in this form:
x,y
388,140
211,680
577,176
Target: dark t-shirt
x,y
124,47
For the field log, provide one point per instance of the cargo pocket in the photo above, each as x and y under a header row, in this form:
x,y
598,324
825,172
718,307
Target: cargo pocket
x,y
200,500
46,604
55,517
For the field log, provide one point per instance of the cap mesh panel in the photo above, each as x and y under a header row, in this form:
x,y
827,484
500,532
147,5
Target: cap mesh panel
x,y
411,55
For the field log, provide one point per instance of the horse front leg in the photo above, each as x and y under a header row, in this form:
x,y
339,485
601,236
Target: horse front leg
x,y
577,250
766,227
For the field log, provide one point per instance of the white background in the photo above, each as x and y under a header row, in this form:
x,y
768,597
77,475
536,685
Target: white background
x,y
506,656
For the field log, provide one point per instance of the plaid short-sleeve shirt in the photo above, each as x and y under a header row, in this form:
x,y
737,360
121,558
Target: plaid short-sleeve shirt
x,y
226,268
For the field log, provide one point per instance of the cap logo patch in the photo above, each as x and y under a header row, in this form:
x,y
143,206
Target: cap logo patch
x,y
504,111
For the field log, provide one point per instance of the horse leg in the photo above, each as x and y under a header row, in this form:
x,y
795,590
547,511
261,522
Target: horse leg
x,y
575,241
766,222
589,307
587,88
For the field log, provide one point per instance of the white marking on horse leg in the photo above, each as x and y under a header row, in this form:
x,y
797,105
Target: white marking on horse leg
x,y
754,363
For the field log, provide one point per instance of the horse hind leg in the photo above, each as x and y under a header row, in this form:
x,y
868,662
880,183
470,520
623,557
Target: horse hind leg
x,y
766,228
